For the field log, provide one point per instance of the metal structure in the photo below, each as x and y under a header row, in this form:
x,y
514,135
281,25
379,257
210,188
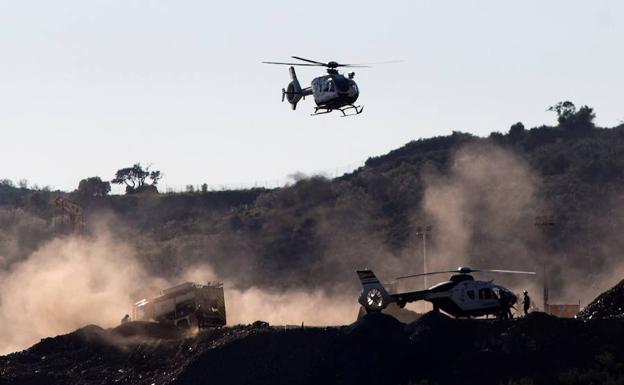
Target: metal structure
x,y
545,222
74,212
187,305
424,232
333,91
461,296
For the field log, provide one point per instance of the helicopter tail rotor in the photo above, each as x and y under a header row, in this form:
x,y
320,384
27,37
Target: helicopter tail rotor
x,y
374,296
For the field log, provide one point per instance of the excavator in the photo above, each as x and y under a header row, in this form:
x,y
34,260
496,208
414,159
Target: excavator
x,y
73,212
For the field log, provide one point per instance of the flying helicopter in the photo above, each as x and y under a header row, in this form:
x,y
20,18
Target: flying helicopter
x,y
333,91
461,296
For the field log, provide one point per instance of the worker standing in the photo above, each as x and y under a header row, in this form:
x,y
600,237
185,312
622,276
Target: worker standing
x,y
526,302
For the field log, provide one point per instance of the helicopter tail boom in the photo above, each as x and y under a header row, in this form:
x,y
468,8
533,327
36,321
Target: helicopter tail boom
x,y
293,92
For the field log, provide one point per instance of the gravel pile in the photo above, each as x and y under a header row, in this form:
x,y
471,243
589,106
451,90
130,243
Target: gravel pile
x,y
606,305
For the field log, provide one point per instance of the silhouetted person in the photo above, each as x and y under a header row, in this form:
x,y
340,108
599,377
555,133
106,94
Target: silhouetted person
x,y
505,306
526,302
125,319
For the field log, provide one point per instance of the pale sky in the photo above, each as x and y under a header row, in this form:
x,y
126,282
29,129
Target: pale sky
x,y
87,87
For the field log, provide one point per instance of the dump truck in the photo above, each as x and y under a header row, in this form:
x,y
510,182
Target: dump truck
x,y
187,305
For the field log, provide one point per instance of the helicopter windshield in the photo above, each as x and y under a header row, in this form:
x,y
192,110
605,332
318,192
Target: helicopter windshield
x,y
328,86
342,84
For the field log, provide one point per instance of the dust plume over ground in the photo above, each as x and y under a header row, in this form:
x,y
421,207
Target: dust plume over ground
x,y
291,256
276,306
66,284
72,282
483,211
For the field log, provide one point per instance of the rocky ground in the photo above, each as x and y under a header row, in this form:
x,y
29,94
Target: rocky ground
x,y
608,304
377,349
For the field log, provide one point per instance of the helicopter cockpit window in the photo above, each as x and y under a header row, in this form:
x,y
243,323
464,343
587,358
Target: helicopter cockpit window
x,y
485,293
470,294
328,86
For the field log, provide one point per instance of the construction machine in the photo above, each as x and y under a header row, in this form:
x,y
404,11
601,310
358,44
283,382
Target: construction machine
x,y
186,306
73,212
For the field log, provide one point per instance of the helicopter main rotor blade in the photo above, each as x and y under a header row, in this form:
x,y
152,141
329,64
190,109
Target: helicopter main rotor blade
x,y
310,61
370,64
353,65
291,64
505,271
423,274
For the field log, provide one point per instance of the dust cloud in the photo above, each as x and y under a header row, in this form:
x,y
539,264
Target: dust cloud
x,y
483,211
483,207
71,282
292,307
66,284
313,307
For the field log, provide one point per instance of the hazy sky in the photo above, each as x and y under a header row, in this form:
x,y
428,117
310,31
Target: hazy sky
x,y
87,87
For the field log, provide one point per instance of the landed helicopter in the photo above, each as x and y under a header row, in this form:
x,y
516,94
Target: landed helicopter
x,y
461,296
333,91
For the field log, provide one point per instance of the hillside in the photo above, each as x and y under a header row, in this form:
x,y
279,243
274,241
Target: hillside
x,y
548,199
335,225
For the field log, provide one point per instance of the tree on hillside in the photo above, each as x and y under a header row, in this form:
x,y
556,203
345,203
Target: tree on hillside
x,y
7,182
571,119
517,131
93,187
135,179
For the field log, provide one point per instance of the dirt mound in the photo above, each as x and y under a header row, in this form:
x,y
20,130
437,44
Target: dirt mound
x,y
375,324
150,330
431,321
608,304
376,349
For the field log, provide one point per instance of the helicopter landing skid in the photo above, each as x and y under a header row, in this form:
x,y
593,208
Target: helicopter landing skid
x,y
358,110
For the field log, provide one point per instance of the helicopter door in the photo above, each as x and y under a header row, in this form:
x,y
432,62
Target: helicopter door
x,y
485,293
470,294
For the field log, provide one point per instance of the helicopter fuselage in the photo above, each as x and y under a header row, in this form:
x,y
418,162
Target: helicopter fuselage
x,y
461,296
334,91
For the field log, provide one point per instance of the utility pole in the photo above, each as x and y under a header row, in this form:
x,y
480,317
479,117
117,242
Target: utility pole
x,y
424,232
545,222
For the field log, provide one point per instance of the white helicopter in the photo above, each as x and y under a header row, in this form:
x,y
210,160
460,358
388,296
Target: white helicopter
x,y
461,296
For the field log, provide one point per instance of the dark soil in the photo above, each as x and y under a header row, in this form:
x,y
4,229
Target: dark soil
x,y
377,349
608,304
